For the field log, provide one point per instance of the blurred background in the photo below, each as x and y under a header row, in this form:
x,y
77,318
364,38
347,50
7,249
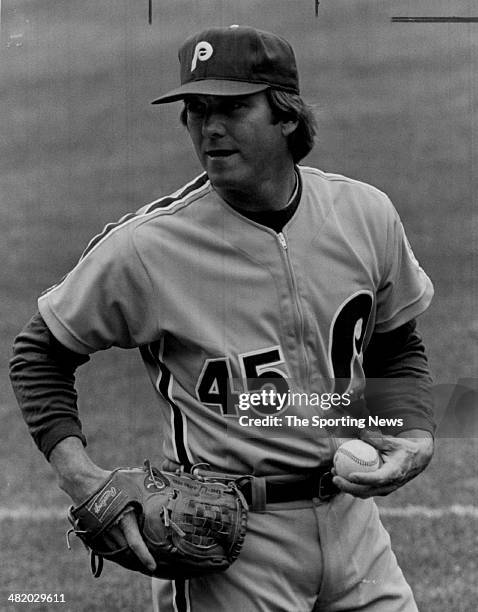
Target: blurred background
x,y
80,145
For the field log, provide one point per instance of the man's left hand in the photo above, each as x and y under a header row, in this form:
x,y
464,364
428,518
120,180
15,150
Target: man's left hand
x,y
404,457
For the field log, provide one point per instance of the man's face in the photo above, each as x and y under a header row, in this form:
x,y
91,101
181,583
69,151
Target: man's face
x,y
237,140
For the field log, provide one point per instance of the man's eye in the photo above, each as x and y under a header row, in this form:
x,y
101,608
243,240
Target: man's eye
x,y
195,108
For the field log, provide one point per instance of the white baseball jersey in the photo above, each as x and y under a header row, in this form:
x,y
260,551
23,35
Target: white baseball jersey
x,y
218,303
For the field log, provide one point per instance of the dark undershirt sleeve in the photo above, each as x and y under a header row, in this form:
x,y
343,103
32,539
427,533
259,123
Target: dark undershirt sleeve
x,y
399,382
42,373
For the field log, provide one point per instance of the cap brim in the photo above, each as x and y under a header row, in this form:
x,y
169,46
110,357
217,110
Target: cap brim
x,y
211,87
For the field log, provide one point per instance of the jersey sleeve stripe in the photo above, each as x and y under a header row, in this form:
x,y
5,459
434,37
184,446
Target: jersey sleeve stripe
x,y
164,202
334,177
187,189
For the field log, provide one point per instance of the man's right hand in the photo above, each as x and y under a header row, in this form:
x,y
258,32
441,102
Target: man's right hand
x,y
79,477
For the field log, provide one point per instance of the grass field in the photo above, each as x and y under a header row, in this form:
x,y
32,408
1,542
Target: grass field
x,y
80,146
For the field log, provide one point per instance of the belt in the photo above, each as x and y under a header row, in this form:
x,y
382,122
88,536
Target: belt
x,y
259,491
272,490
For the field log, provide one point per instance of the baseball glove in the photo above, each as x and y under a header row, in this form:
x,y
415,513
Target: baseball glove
x,y
192,526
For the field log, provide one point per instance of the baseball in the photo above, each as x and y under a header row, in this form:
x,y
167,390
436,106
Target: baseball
x,y
356,456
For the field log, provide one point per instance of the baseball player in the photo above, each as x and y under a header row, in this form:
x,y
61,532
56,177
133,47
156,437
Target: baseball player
x,y
259,274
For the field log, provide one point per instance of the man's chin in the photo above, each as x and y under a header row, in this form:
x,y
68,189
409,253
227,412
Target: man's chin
x,y
222,178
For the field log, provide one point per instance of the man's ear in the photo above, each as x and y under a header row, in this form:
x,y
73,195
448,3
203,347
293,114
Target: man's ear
x,y
288,127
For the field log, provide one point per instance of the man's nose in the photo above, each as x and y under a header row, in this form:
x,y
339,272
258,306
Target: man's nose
x,y
213,125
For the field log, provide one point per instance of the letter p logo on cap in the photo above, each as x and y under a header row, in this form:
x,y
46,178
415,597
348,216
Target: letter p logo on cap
x,y
202,52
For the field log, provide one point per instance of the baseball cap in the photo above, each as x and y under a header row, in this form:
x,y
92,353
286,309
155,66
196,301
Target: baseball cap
x,y
234,61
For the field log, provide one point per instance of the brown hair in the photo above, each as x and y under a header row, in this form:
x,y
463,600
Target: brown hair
x,y
291,107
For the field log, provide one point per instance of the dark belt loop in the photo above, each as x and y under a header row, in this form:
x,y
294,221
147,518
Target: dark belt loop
x,y
327,489
258,494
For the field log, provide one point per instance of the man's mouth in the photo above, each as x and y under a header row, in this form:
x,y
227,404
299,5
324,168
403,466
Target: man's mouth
x,y
215,153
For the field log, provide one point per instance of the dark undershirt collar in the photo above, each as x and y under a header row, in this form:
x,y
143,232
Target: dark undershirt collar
x,y
276,219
